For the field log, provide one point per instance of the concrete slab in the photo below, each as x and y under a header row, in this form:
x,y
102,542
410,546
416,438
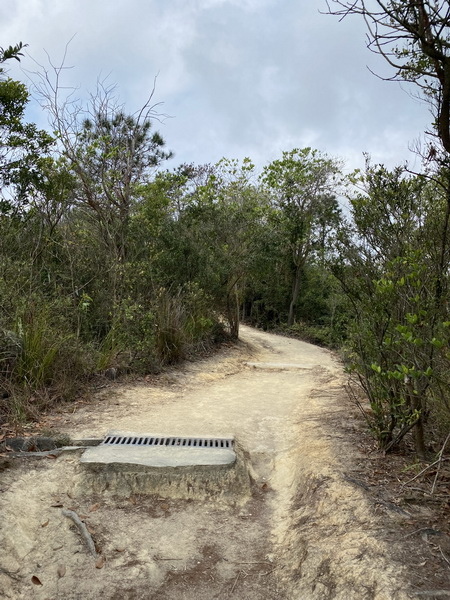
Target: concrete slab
x,y
128,464
276,365
158,456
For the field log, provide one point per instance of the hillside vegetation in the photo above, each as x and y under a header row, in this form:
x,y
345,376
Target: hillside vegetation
x,y
111,263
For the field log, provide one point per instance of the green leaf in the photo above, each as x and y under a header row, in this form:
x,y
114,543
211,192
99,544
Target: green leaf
x,y
437,343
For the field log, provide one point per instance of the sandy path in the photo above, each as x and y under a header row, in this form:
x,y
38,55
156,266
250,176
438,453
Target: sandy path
x,y
305,533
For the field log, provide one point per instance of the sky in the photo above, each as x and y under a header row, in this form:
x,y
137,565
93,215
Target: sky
x,y
236,78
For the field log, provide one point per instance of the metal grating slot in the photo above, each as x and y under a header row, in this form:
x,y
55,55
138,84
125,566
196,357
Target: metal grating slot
x,y
136,440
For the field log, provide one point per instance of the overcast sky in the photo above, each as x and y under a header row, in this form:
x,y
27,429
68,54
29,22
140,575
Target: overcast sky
x,y
238,77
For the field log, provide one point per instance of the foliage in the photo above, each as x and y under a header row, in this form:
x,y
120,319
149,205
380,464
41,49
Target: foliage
x,y
22,148
82,286
305,210
406,321
12,52
388,265
217,215
22,145
106,261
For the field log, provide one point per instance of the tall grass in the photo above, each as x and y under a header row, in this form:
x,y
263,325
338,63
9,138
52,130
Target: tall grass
x,y
44,359
43,362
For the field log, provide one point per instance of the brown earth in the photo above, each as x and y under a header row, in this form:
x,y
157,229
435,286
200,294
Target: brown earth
x,y
326,518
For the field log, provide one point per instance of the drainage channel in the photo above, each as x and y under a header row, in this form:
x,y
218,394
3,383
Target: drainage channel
x,y
182,442
168,465
154,450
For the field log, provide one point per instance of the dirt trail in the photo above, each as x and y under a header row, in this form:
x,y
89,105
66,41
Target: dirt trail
x,y
306,532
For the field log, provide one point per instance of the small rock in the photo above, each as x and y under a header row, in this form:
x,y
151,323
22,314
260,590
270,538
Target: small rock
x,y
111,373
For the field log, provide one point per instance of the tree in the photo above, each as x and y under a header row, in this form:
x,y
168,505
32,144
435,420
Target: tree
x,y
386,262
235,209
303,186
113,156
215,216
414,38
110,152
22,145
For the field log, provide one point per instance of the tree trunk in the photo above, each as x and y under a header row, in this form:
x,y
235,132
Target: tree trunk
x,y
295,294
233,312
416,406
419,439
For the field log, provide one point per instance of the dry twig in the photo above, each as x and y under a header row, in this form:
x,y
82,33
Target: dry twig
x,y
440,459
235,582
443,556
421,472
70,514
256,562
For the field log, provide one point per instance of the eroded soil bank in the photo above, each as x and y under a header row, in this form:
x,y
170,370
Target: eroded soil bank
x,y
303,531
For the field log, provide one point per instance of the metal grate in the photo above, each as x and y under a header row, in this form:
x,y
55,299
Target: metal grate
x,y
183,442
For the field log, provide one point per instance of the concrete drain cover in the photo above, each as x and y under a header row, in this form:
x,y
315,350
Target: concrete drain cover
x,y
161,451
278,366
170,466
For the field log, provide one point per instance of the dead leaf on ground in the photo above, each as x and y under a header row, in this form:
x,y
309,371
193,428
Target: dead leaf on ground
x,y
36,580
45,523
61,571
94,507
100,562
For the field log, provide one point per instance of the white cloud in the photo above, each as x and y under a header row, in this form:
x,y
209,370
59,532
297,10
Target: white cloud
x,y
241,77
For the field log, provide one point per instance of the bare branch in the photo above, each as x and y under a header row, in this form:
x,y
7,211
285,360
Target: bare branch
x,y
413,37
